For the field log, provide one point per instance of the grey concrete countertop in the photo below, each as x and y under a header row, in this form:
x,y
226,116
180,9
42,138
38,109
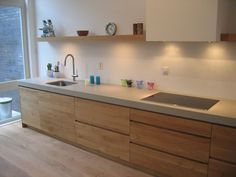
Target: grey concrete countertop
x,y
224,112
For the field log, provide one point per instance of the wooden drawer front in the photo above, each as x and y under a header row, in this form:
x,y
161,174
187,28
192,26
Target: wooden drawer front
x,y
104,115
171,122
29,107
189,146
221,169
58,124
113,144
67,130
164,164
57,115
223,143
56,102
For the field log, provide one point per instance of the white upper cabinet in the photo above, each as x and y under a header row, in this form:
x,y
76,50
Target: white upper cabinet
x,y
187,20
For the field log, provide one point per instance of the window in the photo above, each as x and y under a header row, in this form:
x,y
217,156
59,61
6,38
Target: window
x,y
13,52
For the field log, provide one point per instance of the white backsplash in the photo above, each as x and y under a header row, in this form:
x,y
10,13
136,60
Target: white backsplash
x,y
204,69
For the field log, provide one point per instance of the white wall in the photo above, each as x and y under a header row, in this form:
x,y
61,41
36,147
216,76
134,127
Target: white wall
x,y
206,69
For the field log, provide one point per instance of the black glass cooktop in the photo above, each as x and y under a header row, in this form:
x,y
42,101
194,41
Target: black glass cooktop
x,y
182,100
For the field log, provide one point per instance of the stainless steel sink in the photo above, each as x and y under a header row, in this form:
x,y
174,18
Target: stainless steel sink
x,y
61,83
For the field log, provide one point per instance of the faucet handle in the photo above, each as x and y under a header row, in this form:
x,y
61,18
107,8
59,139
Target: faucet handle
x,y
74,76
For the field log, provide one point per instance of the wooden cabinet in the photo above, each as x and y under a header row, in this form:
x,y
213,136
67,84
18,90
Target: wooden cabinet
x,y
223,152
107,142
29,107
112,117
188,146
165,145
221,169
171,122
52,113
169,146
223,143
165,165
191,20
57,115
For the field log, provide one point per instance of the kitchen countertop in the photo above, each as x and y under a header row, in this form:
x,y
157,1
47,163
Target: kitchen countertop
x,y
224,112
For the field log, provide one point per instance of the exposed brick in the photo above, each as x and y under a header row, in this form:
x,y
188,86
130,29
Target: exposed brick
x,y
11,61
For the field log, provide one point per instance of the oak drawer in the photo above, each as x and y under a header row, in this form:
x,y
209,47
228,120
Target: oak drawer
x,y
184,145
223,143
104,115
111,143
165,165
57,114
171,122
221,169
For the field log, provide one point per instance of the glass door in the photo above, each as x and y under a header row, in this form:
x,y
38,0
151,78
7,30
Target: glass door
x,y
13,56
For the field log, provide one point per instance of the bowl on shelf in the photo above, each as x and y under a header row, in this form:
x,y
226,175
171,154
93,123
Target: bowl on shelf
x,y
82,32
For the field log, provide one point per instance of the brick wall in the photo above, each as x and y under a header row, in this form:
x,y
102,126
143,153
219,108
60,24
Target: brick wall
x,y
11,61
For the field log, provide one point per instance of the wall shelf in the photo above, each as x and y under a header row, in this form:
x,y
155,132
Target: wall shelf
x,y
94,38
231,37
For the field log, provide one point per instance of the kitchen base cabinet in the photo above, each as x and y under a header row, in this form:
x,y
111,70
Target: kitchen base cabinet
x,y
165,165
221,169
223,148
108,116
184,145
171,122
104,141
57,115
49,112
223,143
163,145
29,107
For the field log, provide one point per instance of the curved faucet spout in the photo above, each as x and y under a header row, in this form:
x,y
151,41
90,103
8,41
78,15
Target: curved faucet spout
x,y
73,63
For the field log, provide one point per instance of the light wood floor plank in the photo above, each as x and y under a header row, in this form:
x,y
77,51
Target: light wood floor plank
x,y
37,155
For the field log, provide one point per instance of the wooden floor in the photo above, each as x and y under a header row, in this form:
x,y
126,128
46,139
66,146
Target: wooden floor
x,y
26,153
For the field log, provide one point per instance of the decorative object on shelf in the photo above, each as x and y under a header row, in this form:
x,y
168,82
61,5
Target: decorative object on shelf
x,y
44,29
47,29
138,29
51,32
82,32
49,71
111,29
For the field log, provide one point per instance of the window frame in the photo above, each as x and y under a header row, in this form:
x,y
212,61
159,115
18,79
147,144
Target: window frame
x,y
22,5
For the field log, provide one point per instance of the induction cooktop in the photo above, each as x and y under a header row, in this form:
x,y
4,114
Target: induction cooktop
x,y
182,100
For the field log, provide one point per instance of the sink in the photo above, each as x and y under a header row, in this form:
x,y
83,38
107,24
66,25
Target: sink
x,y
61,83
